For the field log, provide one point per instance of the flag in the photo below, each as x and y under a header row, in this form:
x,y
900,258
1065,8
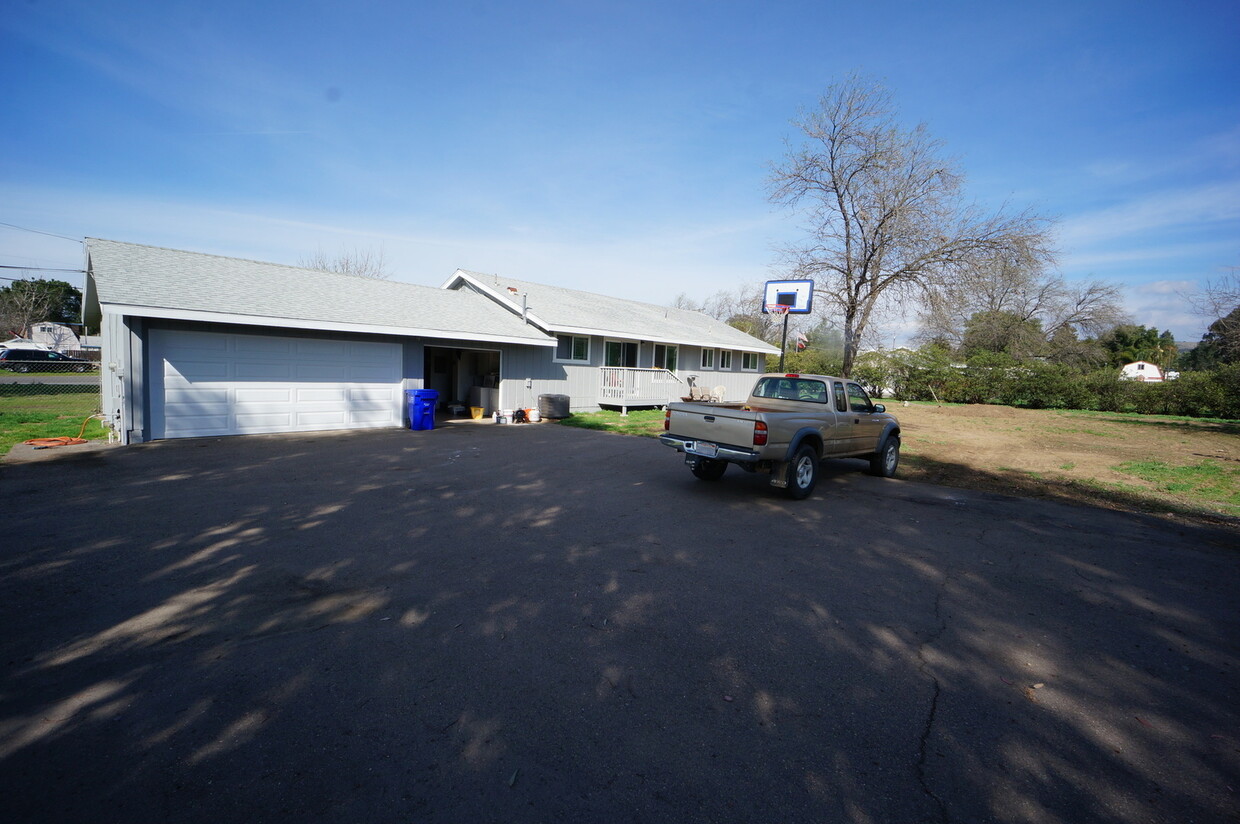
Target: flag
x,y
802,341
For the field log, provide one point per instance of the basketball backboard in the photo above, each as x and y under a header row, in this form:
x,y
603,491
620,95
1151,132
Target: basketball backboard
x,y
797,295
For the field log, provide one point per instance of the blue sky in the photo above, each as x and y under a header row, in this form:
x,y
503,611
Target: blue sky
x,y
616,147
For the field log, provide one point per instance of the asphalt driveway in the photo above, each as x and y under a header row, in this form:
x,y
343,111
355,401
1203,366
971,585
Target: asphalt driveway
x,y
537,623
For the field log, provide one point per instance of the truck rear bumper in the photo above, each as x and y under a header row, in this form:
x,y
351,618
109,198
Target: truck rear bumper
x,y
708,449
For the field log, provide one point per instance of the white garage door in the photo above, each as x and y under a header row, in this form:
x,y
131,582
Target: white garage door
x,y
213,383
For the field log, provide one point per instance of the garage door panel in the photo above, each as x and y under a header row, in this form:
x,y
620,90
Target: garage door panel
x,y
197,342
263,371
186,426
254,422
197,396
322,394
327,419
196,371
324,349
372,417
245,346
272,394
216,383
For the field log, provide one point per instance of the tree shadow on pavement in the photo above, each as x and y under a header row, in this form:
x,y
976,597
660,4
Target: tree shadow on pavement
x,y
539,623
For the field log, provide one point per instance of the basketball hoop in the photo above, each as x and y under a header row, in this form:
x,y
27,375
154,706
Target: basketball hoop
x,y
777,308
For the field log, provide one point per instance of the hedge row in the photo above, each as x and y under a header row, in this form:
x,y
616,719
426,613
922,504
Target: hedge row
x,y
1212,394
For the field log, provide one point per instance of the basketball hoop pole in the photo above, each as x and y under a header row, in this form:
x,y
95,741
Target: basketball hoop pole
x,y
783,344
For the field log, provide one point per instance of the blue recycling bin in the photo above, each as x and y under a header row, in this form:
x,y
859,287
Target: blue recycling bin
x,y
421,408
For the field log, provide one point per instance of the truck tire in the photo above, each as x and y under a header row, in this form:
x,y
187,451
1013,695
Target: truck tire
x,y
883,463
707,469
802,473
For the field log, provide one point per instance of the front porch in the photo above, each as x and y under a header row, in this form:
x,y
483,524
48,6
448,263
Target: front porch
x,y
624,386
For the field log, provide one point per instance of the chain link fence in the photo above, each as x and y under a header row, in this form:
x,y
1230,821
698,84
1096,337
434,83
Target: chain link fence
x,y
44,397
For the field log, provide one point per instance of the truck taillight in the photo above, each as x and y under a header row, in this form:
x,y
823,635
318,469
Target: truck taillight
x,y
759,433
667,420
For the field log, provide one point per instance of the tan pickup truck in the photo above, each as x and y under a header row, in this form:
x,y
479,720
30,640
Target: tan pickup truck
x,y
785,428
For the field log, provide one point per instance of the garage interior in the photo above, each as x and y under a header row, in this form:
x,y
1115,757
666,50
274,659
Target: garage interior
x,y
469,377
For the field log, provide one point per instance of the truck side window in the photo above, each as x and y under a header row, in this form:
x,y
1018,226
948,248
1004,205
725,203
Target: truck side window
x,y
859,400
841,405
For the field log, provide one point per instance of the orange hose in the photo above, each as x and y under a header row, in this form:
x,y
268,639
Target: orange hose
x,y
62,441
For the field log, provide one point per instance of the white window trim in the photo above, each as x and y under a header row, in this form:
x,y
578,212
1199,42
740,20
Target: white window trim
x,y
623,342
723,368
702,359
756,362
667,347
589,346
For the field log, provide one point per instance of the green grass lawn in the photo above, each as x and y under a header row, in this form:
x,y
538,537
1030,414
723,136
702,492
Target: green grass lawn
x,y
1207,482
645,422
47,411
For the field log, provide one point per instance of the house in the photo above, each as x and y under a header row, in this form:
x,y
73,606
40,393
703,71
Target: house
x,y
1141,371
55,336
201,345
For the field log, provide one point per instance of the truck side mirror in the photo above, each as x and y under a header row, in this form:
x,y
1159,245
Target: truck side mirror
x,y
878,407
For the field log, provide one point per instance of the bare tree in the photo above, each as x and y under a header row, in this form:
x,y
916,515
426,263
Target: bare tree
x,y
23,304
884,210
1219,300
1003,286
740,308
363,263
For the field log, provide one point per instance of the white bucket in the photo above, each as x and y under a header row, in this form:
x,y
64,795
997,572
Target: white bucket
x,y
532,416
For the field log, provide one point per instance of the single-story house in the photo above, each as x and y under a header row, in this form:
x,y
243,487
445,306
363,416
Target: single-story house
x,y
202,345
1141,371
55,336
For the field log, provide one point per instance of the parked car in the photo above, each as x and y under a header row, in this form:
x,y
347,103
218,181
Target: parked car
x,y
41,360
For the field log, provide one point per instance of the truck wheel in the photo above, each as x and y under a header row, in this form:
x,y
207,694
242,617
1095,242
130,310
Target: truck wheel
x,y
883,463
707,469
802,473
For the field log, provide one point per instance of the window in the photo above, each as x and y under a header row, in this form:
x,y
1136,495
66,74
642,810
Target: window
x,y
708,358
841,404
620,353
665,357
749,361
572,348
859,400
791,389
725,359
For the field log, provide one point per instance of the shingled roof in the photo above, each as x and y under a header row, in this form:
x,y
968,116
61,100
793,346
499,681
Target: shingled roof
x,y
154,282
569,311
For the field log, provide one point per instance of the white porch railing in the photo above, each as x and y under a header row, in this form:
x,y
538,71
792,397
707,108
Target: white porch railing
x,y
624,387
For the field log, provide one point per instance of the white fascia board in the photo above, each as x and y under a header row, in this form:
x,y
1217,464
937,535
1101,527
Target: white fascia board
x,y
326,326
611,333
499,297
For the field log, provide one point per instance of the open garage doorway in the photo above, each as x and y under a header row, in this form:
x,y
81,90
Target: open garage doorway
x,y
464,377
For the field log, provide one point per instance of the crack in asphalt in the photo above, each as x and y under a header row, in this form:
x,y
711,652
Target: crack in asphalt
x,y
924,668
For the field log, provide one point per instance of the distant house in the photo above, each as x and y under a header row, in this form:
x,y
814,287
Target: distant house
x,y
1142,371
55,336
200,345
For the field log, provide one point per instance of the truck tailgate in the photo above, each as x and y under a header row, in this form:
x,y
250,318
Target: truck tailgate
x,y
718,423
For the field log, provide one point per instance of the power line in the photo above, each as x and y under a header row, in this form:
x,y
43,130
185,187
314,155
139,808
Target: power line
x,y
39,232
41,269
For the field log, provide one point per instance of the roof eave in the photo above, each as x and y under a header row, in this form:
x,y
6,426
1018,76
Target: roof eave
x,y
331,326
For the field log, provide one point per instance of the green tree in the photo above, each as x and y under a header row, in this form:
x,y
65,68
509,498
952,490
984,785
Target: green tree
x,y
25,302
1003,332
1219,345
1128,343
